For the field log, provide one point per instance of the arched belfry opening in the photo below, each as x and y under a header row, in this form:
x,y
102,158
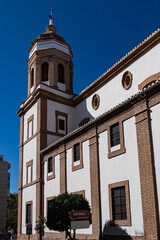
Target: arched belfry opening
x,y
44,71
32,78
60,73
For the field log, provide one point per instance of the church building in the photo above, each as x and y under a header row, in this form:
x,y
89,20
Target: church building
x,y
103,143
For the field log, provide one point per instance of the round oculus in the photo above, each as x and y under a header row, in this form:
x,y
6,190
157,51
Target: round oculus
x,y
95,101
127,80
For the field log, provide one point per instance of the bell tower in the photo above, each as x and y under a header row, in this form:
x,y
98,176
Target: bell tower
x,y
45,116
50,61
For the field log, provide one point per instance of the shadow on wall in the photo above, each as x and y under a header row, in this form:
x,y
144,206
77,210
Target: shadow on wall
x,y
111,231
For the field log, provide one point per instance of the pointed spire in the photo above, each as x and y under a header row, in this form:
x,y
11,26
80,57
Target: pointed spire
x,y
50,27
51,17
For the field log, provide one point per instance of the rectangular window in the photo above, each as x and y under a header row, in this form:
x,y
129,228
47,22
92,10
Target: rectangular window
x,y
50,167
115,135
119,203
115,138
76,152
61,124
28,213
48,202
29,167
30,127
77,156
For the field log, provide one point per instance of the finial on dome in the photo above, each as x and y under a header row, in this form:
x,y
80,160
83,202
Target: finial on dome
x,y
50,27
51,17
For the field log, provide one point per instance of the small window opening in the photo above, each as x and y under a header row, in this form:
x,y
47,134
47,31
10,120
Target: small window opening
x,y
61,124
32,78
115,135
45,71
49,164
76,152
60,73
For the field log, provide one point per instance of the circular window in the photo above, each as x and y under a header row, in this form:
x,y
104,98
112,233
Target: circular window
x,y
95,101
127,80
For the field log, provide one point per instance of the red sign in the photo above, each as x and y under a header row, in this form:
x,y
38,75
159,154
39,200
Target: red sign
x,y
79,215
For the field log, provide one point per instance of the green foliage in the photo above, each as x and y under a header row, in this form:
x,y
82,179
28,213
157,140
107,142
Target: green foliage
x,y
59,208
40,224
12,206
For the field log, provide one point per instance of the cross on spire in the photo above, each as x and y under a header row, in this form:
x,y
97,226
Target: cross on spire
x,y
51,13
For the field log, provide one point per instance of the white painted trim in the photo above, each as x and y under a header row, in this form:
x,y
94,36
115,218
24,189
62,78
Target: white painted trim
x,y
48,45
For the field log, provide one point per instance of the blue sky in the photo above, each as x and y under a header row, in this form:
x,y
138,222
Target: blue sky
x,y
100,32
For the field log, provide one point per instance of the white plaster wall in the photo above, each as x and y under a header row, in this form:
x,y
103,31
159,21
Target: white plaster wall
x,y
51,115
52,90
155,118
49,45
51,187
113,93
29,194
80,179
121,168
31,111
51,139
29,153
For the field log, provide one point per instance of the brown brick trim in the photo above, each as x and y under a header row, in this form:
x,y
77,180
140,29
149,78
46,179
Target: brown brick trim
x,y
19,223
119,67
149,81
37,93
127,237
65,115
30,184
30,119
126,222
154,100
29,164
122,148
41,143
27,203
95,188
63,174
81,192
28,140
147,172
80,165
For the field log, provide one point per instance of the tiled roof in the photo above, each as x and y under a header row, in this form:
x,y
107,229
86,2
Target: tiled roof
x,y
139,94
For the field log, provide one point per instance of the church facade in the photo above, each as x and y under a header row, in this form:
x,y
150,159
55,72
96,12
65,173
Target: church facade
x,y
103,143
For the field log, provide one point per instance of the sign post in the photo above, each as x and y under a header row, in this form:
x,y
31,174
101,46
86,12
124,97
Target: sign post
x,y
79,220
28,230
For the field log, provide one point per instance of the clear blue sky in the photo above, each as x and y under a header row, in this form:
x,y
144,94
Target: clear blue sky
x,y
100,32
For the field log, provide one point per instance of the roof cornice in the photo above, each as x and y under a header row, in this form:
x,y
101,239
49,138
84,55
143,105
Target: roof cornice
x,y
148,92
124,62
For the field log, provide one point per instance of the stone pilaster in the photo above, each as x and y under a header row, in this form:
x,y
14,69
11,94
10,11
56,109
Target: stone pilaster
x,y
147,172
95,195
63,179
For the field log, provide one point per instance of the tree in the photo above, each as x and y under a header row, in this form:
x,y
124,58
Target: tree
x,y
40,226
59,209
12,216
